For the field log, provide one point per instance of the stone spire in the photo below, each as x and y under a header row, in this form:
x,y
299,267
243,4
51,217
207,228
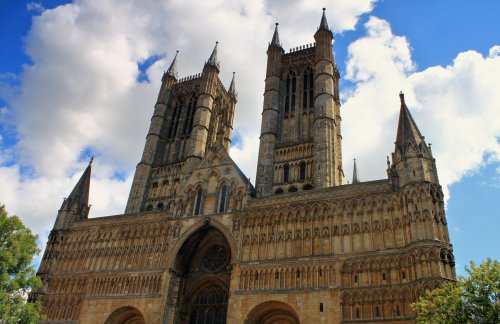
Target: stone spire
x,y
212,60
232,87
172,70
412,158
408,131
78,200
323,24
76,206
275,42
355,176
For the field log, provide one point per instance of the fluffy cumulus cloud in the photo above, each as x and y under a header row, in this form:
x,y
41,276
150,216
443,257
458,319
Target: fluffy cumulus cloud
x,y
94,75
453,105
95,71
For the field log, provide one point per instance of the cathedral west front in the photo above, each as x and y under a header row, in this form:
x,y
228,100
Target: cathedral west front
x,y
199,243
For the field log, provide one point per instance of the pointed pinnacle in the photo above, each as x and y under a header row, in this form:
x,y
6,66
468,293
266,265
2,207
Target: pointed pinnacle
x,y
355,177
407,128
212,60
81,190
324,23
172,70
232,87
276,38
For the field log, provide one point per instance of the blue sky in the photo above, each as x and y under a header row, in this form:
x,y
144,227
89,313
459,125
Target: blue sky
x,y
80,80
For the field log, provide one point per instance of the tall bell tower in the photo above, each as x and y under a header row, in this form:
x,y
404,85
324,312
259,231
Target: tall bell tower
x,y
191,115
300,142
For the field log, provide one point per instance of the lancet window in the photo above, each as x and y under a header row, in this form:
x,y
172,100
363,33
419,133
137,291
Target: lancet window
x,y
291,86
188,123
174,122
197,208
224,197
308,94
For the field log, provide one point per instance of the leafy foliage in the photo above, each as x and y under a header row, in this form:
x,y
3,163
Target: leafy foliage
x,y
17,277
471,299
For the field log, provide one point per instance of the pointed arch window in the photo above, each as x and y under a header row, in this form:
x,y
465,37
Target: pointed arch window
x,y
224,199
302,170
174,122
197,207
286,173
308,94
188,123
291,86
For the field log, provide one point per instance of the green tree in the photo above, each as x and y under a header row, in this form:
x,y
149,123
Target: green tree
x,y
17,277
471,299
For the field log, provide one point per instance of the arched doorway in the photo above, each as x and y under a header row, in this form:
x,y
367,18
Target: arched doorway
x,y
199,280
126,315
272,312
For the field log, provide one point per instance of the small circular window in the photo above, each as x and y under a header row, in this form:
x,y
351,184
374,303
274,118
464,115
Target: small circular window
x,y
214,258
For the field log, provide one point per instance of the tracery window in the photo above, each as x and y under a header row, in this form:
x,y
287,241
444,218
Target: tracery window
x,y
174,122
308,94
210,307
214,258
188,123
291,86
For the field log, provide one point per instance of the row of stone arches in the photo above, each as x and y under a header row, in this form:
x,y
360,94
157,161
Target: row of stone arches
x,y
62,306
210,307
287,278
126,285
295,152
427,196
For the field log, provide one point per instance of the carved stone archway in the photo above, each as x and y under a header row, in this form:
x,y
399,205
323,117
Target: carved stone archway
x,y
272,312
125,315
199,279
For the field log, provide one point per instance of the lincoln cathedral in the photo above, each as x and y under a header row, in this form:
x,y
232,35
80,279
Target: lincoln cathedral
x,y
199,243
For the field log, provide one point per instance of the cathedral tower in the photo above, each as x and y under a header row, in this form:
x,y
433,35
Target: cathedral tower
x,y
191,115
196,246
300,145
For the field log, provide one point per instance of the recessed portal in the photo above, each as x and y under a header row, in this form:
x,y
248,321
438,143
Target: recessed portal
x,y
199,282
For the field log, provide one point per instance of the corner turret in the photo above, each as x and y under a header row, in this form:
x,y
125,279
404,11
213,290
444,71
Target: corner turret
x,y
143,169
199,139
270,112
412,160
76,206
327,168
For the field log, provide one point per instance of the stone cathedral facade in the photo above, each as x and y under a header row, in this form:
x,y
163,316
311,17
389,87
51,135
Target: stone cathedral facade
x,y
198,243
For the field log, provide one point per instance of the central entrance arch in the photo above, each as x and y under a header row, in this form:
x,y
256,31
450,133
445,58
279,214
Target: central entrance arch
x,y
272,312
199,279
125,315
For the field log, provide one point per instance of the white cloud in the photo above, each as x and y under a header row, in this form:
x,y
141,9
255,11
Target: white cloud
x,y
36,7
454,106
81,92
